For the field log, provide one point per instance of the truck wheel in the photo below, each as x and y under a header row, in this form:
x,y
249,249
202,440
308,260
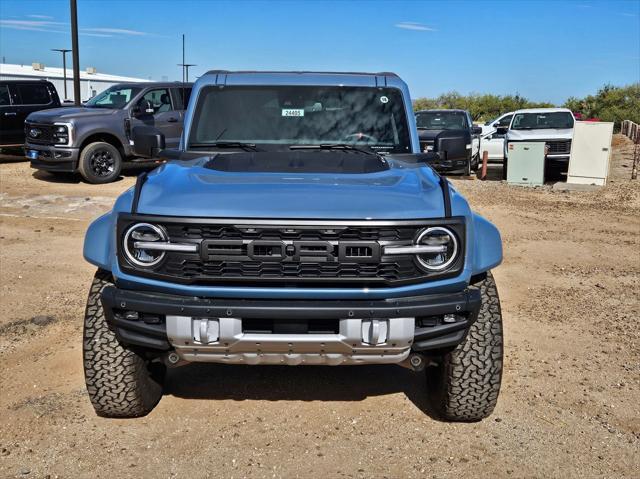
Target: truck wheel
x,y
100,162
464,386
120,382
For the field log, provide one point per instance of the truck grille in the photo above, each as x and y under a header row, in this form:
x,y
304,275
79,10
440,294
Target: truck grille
x,y
38,133
561,146
286,254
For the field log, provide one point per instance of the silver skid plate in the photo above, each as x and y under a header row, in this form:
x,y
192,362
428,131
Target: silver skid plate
x,y
359,341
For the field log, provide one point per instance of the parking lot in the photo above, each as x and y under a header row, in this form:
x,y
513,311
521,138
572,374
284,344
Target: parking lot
x,y
569,403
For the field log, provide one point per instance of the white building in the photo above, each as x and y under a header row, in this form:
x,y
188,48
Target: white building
x,y
91,82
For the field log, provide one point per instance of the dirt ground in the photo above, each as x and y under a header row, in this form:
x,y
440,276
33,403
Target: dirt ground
x,y
570,401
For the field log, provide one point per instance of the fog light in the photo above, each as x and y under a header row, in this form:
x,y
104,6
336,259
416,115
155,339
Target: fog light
x,y
449,318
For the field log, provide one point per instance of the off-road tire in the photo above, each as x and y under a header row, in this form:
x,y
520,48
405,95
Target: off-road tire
x,y
465,384
90,172
120,382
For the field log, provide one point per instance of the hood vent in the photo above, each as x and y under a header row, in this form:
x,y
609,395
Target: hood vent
x,y
332,162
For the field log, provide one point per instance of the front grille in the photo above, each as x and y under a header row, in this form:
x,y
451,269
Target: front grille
x,y
288,254
561,146
38,133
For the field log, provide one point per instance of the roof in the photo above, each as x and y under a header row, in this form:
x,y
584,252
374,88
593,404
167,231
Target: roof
x,y
8,69
301,78
458,110
543,110
167,84
301,72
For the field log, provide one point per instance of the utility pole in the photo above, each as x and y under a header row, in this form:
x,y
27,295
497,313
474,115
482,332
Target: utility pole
x,y
75,53
64,66
185,66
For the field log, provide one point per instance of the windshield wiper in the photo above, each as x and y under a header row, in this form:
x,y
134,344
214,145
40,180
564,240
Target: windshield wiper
x,y
333,146
226,144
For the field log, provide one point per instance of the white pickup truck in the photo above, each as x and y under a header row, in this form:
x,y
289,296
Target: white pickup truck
x,y
554,126
493,139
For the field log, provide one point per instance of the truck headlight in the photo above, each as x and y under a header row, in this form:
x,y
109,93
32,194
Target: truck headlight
x,y
61,134
142,244
440,246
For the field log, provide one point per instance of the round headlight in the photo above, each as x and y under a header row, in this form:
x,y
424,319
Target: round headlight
x,y
134,244
445,248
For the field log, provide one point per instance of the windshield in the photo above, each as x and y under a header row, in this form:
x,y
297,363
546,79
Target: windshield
x,y
542,121
115,97
277,117
442,120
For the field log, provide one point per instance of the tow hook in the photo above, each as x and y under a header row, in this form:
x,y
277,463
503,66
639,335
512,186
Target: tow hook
x,y
173,360
416,362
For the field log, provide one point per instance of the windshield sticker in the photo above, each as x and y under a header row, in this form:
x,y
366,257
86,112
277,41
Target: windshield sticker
x,y
384,99
292,112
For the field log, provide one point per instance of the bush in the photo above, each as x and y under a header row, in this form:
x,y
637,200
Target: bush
x,y
611,103
482,107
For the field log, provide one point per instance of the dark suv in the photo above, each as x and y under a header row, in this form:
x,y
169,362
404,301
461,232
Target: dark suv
x,y
95,139
451,134
19,98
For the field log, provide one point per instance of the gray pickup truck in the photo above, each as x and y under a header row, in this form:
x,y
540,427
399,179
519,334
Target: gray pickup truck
x,y
95,139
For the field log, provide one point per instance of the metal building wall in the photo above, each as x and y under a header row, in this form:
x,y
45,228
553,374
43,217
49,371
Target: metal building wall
x,y
88,87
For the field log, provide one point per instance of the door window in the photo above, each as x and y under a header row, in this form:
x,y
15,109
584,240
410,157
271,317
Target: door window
x,y
4,96
160,99
34,94
504,122
187,94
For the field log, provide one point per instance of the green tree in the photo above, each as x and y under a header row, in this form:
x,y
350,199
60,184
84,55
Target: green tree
x,y
481,106
610,103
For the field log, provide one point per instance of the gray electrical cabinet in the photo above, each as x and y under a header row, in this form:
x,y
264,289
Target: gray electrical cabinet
x,y
526,163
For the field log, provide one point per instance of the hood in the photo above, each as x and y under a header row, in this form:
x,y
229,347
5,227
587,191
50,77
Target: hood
x,y
191,188
541,134
430,135
68,113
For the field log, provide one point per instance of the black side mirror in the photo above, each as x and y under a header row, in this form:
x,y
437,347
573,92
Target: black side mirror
x,y
147,141
502,130
476,130
143,108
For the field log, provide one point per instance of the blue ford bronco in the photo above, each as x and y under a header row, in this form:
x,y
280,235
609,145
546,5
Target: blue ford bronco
x,y
297,223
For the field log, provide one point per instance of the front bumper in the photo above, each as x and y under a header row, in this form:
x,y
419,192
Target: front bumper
x,y
53,158
292,332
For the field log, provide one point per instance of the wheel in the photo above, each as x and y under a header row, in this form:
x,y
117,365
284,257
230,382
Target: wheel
x,y
100,162
464,385
120,382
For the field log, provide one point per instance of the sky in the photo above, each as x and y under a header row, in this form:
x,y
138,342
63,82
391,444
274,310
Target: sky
x,y
543,50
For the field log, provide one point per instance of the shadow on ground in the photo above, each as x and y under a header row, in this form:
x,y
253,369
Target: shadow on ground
x,y
128,170
300,383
